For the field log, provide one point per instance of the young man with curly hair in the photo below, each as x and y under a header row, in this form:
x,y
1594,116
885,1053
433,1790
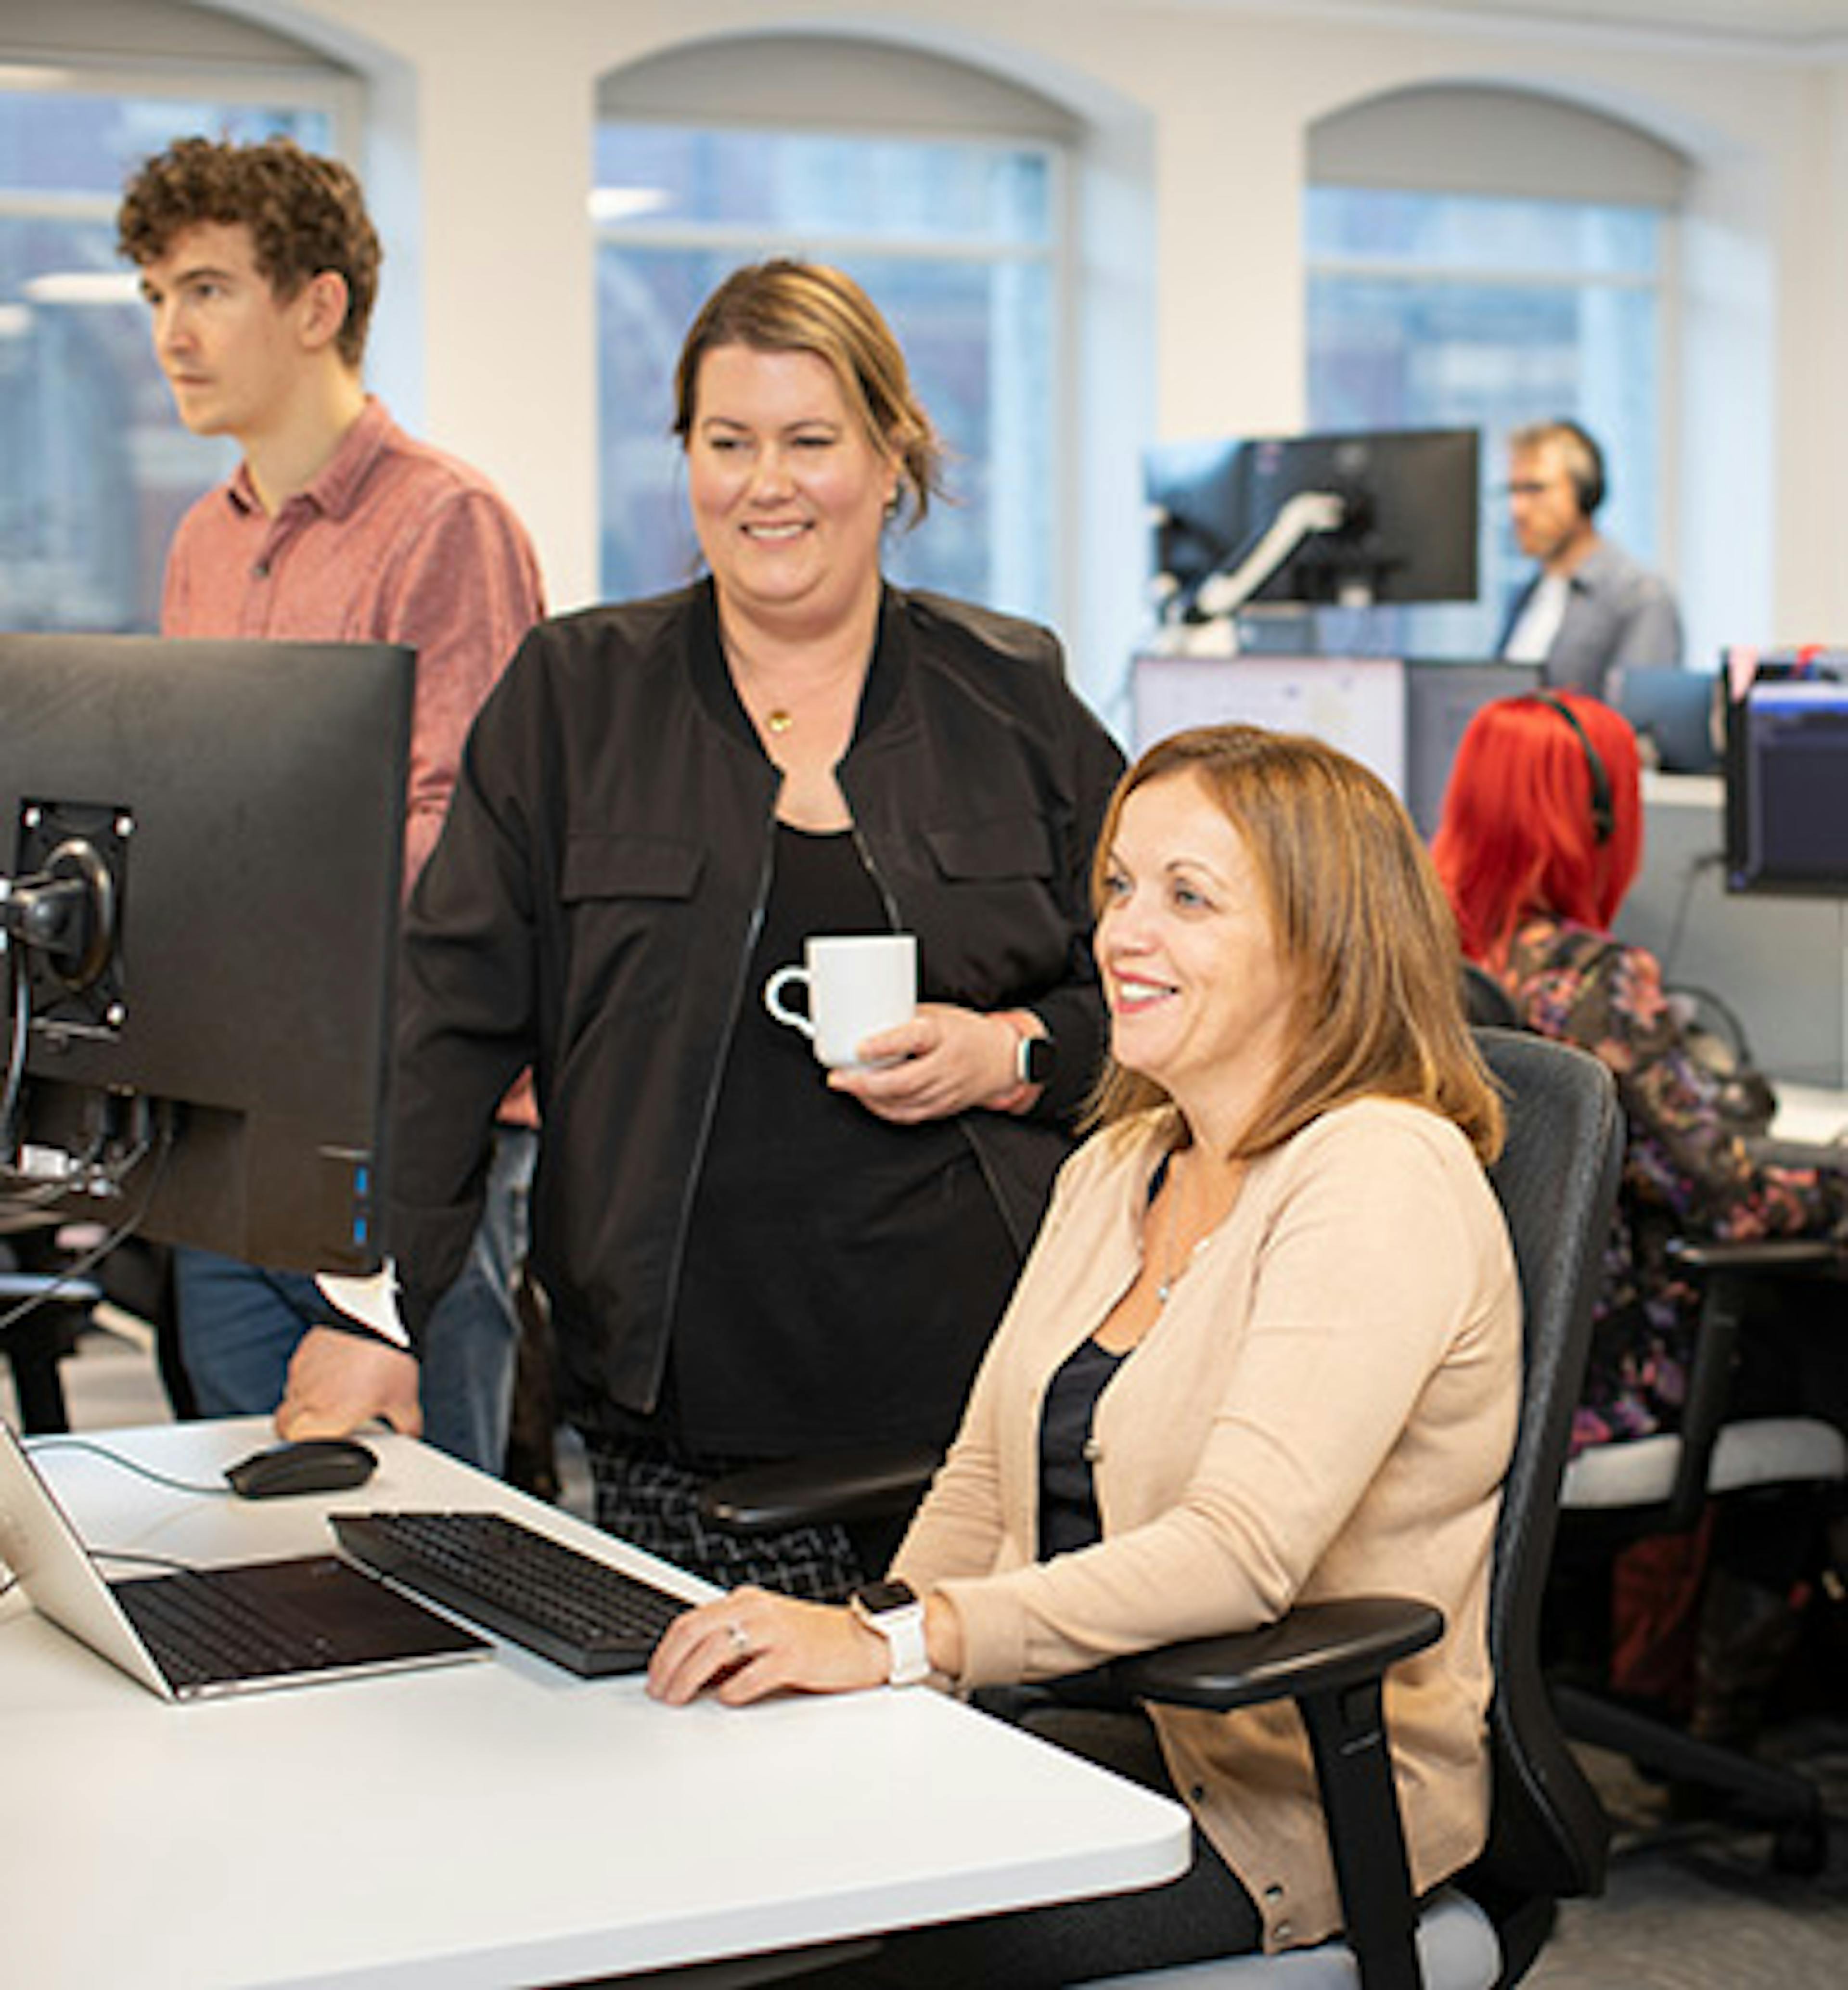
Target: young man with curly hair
x,y
260,265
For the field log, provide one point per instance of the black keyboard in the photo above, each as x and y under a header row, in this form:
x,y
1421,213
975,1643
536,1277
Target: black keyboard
x,y
570,1608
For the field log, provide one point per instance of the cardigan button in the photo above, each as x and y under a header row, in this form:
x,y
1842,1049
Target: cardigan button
x,y
1093,1451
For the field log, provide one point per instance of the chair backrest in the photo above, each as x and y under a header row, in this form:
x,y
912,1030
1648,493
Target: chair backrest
x,y
1487,1002
1557,1179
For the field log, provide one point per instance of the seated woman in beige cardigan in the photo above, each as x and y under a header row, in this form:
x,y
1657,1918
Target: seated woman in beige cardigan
x,y
1266,1348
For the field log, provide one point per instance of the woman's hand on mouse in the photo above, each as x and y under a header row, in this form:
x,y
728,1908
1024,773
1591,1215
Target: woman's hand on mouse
x,y
339,1382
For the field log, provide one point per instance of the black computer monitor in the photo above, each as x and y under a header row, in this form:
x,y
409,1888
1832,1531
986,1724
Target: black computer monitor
x,y
201,844
1786,770
1410,502
1673,712
1441,699
1197,495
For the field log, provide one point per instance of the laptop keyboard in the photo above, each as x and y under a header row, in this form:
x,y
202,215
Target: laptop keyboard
x,y
201,1633
568,1607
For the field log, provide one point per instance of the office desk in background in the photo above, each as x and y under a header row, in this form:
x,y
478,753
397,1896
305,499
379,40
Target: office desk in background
x,y
490,1825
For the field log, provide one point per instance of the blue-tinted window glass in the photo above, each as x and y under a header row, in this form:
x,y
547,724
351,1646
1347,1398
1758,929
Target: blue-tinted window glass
x,y
1447,310
953,242
673,175
95,468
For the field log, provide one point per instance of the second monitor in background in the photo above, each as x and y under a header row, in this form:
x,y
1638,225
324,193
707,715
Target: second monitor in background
x,y
1374,518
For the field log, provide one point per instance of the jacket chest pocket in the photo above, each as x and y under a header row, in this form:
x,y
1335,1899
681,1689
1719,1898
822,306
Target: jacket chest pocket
x,y
994,924
630,905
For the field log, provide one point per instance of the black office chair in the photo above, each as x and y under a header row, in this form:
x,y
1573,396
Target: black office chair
x,y
1616,1494
1485,1002
1557,1182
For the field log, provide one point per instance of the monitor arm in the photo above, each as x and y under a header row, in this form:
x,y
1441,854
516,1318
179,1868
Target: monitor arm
x,y
1225,591
67,911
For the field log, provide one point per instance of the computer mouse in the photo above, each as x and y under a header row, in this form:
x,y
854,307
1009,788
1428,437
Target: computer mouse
x,y
310,1465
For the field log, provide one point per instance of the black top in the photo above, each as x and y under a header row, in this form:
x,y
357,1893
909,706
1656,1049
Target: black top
x,y
827,1244
1069,1518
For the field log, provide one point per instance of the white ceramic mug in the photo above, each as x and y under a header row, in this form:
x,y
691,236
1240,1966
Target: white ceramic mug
x,y
859,984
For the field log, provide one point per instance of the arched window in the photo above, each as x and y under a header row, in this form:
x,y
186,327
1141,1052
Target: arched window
x,y
1484,257
940,187
95,468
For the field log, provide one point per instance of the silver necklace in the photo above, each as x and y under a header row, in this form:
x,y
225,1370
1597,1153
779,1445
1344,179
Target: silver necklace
x,y
1166,1282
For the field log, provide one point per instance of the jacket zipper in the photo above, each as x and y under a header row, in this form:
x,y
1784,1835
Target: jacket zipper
x,y
709,1105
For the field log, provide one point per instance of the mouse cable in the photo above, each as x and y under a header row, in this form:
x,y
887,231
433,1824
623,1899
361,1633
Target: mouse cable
x,y
140,1471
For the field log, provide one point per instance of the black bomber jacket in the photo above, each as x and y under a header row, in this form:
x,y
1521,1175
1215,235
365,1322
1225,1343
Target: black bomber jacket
x,y
591,908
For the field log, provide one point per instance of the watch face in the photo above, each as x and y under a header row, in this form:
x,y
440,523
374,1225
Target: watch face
x,y
877,1598
1037,1058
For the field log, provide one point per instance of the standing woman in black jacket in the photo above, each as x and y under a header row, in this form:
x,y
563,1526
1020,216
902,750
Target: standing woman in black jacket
x,y
748,1258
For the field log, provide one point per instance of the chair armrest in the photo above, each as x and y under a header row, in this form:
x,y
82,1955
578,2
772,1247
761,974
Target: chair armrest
x,y
1331,1659
877,1482
1318,1647
1769,1254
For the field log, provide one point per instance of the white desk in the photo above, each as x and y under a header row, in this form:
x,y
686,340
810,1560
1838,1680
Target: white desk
x,y
1813,1115
492,1825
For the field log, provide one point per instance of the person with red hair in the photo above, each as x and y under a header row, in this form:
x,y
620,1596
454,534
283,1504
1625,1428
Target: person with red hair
x,y
1540,840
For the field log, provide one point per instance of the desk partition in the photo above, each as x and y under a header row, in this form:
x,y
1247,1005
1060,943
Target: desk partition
x,y
1401,718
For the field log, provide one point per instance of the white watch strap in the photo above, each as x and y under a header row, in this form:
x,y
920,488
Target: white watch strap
x,y
903,1631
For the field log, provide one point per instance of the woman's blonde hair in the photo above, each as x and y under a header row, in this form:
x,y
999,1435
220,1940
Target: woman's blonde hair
x,y
784,305
1361,921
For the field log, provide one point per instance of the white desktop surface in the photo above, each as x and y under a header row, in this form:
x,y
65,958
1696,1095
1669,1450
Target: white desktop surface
x,y
491,1824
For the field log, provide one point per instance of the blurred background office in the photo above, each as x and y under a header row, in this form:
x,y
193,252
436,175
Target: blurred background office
x,y
1100,224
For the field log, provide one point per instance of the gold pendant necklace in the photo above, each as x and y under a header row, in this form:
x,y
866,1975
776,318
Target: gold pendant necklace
x,y
779,722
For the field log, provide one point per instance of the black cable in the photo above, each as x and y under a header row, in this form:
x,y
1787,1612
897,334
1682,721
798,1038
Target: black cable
x,y
39,1443
87,1261
1710,861
15,1060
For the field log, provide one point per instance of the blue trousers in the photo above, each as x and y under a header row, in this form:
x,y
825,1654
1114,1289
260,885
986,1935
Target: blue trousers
x,y
239,1326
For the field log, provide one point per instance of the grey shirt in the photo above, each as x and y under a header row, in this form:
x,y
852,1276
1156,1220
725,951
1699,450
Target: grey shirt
x,y
1617,613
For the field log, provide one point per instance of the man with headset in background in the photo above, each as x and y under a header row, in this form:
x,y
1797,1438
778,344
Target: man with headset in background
x,y
1591,609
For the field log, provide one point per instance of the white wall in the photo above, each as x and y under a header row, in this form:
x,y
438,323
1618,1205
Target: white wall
x,y
1202,109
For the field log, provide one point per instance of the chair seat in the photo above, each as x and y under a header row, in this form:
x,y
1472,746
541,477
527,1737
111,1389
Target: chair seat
x,y
1457,1951
1756,1451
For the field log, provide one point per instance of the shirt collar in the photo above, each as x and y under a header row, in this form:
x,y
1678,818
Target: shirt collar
x,y
335,489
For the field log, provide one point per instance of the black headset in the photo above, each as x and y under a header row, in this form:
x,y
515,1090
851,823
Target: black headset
x,y
1584,466
1604,814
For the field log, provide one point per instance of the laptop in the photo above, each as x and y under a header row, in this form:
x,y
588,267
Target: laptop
x,y
207,1633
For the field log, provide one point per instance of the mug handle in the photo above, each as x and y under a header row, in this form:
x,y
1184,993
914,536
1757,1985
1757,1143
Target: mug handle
x,y
772,989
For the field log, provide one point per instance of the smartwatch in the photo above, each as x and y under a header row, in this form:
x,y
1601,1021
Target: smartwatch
x,y
1035,1059
893,1609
